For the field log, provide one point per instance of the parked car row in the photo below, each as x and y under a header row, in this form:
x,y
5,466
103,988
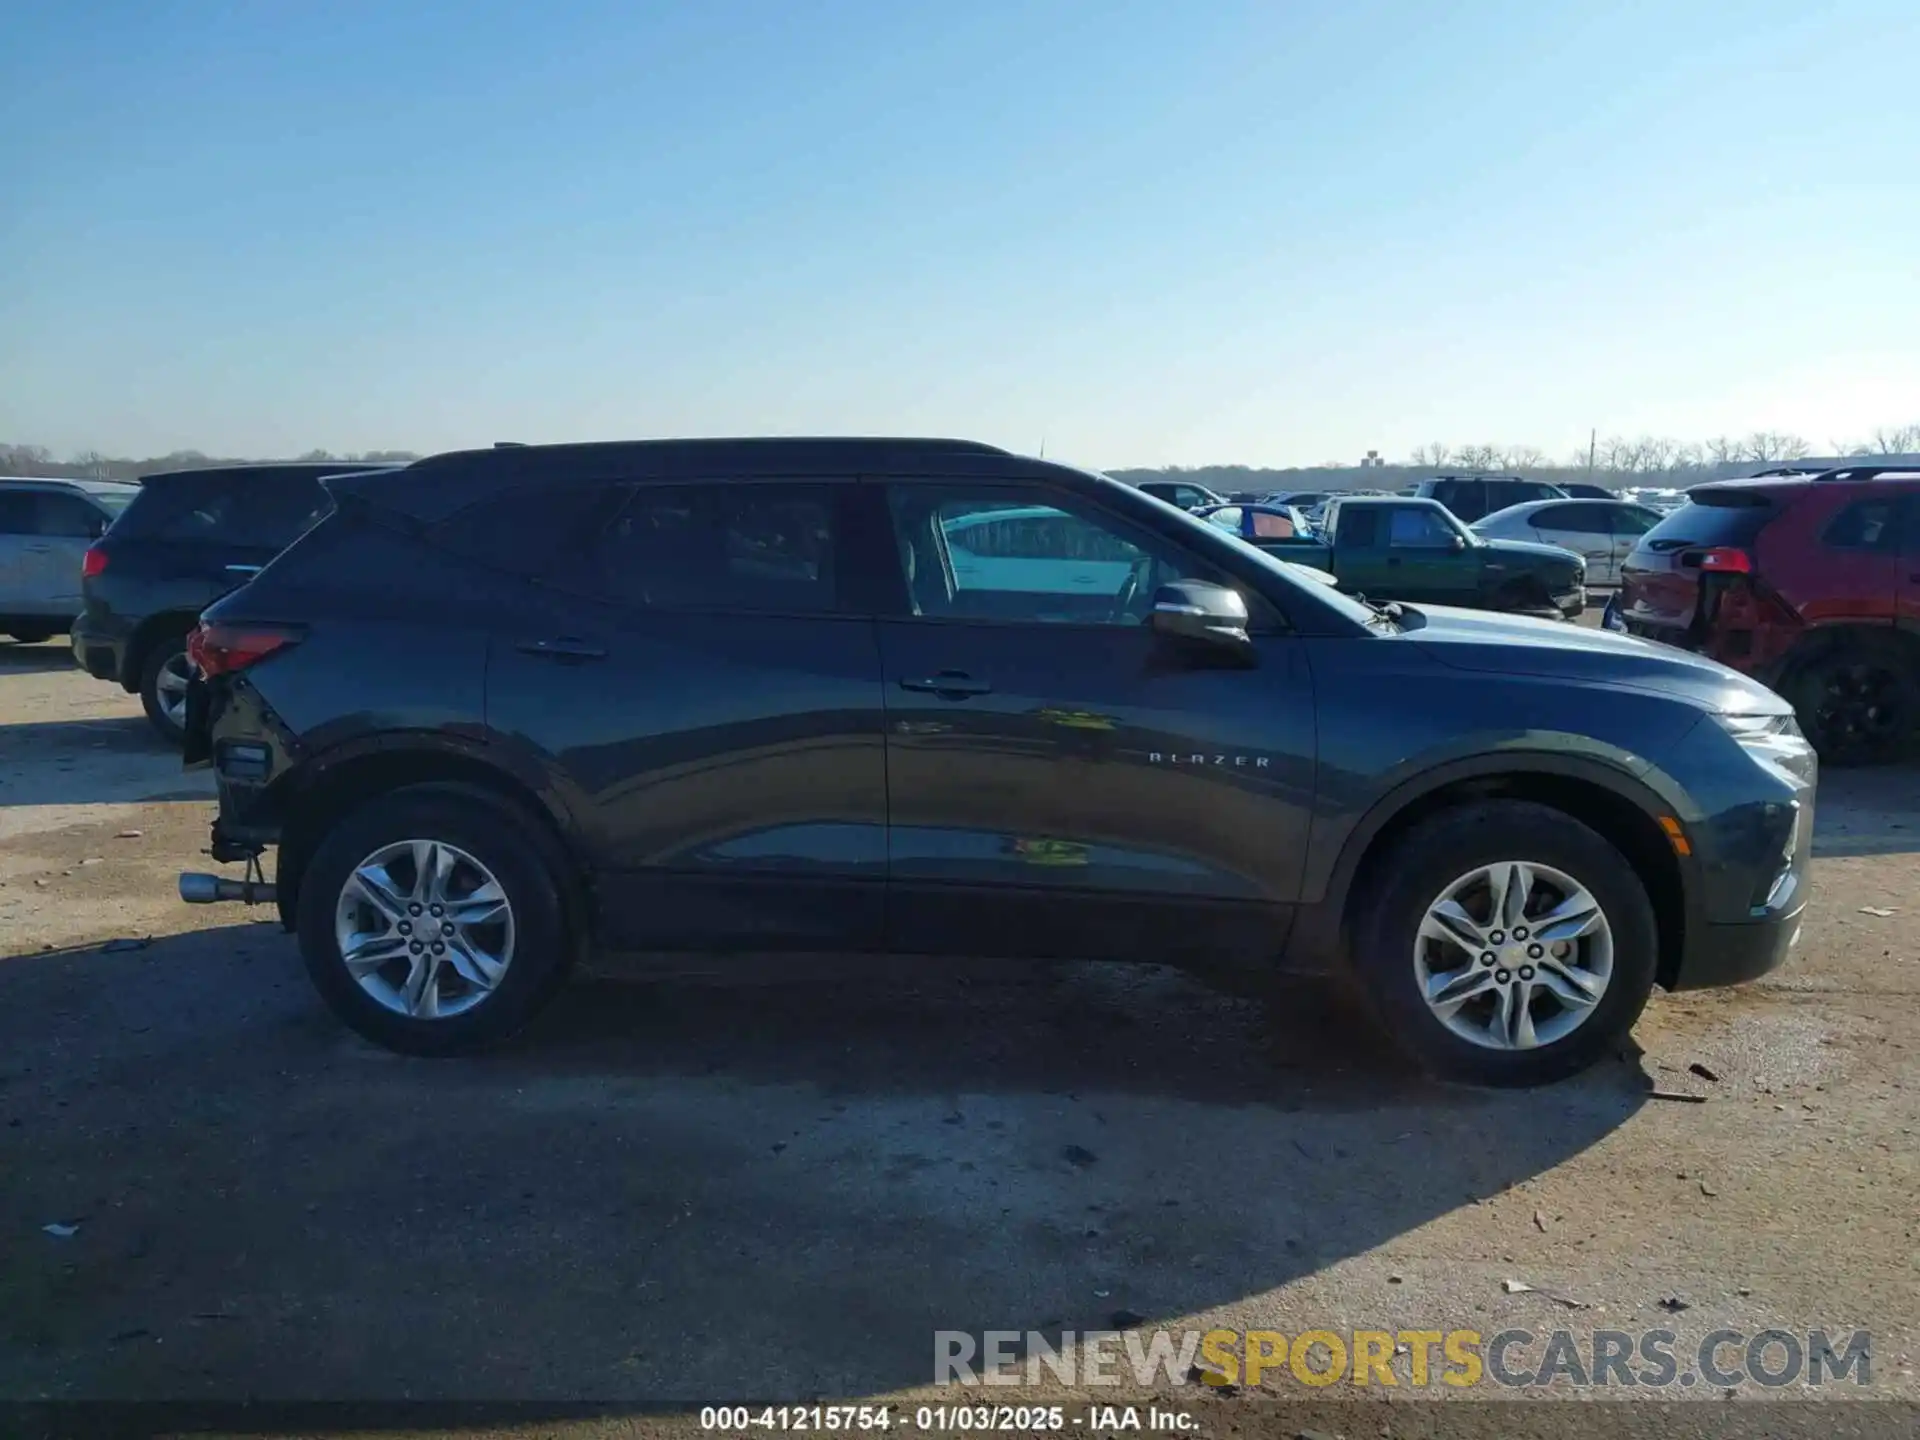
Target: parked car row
x,y
928,697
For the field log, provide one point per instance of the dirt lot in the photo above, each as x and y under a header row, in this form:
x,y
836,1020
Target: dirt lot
x,y
780,1186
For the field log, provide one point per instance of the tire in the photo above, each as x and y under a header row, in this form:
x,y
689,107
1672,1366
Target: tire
x,y
165,663
1859,704
31,635
536,947
1424,866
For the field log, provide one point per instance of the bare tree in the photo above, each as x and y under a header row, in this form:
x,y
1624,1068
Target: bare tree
x,y
1725,450
1430,457
1889,440
1523,457
1477,457
1772,445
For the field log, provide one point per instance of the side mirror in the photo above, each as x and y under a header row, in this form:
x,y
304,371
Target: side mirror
x,y
1196,614
1457,542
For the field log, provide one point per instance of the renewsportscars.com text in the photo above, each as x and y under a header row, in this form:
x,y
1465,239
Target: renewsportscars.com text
x,y
1414,1359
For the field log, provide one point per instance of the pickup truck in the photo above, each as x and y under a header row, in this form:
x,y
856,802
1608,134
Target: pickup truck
x,y
1393,547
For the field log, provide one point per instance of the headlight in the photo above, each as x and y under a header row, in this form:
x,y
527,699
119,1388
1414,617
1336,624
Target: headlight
x,y
1776,741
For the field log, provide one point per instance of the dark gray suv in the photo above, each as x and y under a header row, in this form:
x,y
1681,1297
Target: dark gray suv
x,y
927,697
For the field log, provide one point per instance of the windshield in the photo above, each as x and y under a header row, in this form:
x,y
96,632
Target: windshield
x,y
111,501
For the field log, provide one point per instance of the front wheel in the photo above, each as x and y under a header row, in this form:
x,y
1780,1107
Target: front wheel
x,y
31,634
432,923
1505,943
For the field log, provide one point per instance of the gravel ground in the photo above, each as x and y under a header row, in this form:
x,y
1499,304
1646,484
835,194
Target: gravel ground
x,y
777,1185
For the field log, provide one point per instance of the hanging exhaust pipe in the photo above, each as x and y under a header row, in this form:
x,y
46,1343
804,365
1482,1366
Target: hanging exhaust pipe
x,y
201,889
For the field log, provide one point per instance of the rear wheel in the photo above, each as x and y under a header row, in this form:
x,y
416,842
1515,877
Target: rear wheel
x,y
1505,943
163,687
31,634
1859,704
432,923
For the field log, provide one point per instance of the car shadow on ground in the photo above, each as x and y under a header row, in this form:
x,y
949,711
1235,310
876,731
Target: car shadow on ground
x,y
111,759
775,1187
39,658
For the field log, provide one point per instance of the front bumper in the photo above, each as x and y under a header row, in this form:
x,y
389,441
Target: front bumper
x,y
1572,603
1733,954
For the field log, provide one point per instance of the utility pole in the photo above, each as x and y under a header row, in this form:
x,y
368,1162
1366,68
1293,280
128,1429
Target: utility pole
x,y
1593,442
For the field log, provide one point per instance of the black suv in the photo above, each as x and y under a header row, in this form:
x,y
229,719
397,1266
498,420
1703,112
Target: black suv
x,y
188,537
1474,497
928,697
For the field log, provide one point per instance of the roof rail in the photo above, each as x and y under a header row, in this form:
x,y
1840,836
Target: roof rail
x,y
1869,472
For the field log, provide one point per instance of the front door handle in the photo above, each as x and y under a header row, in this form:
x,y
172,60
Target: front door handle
x,y
247,570
949,685
564,648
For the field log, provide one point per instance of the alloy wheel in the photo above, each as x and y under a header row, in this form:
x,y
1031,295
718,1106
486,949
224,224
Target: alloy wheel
x,y
424,928
1513,955
170,688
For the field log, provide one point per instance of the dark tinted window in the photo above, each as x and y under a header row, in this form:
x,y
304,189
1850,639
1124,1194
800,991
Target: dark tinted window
x,y
1419,529
48,513
1633,519
1711,517
1358,527
247,510
1865,525
1581,518
523,531
1466,498
720,547
69,516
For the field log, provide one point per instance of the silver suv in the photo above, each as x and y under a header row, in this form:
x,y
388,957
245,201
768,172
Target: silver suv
x,y
45,528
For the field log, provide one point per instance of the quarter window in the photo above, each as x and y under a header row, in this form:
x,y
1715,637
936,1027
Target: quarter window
x,y
739,546
255,511
1865,525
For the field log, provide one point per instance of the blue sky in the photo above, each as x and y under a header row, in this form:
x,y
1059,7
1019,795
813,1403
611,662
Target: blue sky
x,y
1143,233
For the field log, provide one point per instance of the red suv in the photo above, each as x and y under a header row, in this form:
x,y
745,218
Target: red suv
x,y
1810,584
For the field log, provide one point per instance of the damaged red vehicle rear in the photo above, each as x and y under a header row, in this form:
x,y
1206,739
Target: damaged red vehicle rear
x,y
1810,584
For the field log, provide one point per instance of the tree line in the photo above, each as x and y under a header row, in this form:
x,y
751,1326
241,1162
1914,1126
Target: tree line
x,y
1617,462
91,465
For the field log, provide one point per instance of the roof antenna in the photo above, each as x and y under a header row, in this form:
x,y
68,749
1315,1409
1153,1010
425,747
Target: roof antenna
x,y
1043,447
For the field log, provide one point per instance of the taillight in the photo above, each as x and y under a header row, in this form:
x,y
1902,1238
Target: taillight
x,y
93,562
1726,560
227,649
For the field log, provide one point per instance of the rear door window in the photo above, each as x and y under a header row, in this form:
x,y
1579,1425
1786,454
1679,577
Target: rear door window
x,y
67,516
1579,517
1227,518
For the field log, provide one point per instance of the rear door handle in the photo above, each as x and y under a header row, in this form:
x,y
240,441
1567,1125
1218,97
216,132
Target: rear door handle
x,y
245,569
949,685
563,647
